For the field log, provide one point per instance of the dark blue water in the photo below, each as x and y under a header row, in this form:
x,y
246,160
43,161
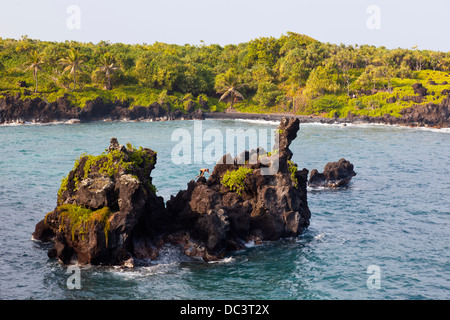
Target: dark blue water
x,y
395,215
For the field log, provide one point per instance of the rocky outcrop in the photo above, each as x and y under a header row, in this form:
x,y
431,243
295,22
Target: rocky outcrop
x,y
429,115
240,201
334,175
435,115
15,109
21,110
108,212
419,89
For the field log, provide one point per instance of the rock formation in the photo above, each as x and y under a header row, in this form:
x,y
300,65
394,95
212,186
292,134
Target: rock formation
x,y
419,89
334,175
108,212
21,110
239,202
107,209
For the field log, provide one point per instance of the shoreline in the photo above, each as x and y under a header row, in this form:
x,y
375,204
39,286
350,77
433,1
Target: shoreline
x,y
15,111
270,117
315,119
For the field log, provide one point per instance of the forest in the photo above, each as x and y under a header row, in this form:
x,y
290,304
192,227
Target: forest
x,y
293,73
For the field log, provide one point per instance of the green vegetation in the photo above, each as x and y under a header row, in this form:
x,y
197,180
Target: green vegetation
x,y
228,85
73,62
293,170
292,73
234,180
35,63
81,219
63,186
107,65
109,163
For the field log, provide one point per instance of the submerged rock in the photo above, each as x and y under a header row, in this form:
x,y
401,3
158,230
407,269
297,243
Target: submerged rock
x,y
334,175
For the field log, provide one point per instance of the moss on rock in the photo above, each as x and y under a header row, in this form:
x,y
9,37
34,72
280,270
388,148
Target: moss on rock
x,y
234,180
79,219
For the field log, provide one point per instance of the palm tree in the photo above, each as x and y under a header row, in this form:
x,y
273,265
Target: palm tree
x,y
72,63
107,62
35,61
227,85
230,94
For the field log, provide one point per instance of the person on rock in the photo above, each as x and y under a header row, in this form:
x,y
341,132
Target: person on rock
x,y
202,172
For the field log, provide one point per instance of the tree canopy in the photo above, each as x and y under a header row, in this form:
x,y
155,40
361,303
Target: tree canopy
x,y
292,73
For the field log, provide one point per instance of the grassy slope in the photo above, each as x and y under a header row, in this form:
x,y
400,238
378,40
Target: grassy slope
x,y
376,104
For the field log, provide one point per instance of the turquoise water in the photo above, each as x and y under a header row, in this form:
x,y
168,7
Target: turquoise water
x,y
395,214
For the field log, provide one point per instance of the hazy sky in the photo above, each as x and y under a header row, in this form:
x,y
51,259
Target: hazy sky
x,y
393,23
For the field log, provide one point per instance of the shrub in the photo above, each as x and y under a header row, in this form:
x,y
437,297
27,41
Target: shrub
x,y
234,180
328,103
267,94
292,167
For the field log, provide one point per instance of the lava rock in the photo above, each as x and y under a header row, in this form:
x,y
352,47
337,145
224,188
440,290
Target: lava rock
x,y
106,208
213,217
419,89
334,175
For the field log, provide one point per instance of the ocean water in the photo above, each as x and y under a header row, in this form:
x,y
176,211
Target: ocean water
x,y
393,218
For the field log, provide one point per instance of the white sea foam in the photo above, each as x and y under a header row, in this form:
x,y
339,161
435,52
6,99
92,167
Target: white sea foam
x,y
224,260
27,123
144,271
250,244
260,121
374,125
319,236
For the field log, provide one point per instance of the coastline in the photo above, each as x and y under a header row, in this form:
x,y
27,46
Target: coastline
x,y
17,111
239,116
389,121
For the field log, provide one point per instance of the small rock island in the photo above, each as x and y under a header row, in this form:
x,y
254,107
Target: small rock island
x,y
108,212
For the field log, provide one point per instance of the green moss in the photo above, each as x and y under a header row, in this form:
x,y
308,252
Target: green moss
x,y
292,167
137,156
80,219
234,180
273,152
63,186
46,217
65,180
108,163
151,187
111,163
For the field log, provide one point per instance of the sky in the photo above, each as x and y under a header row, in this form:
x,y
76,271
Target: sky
x,y
389,23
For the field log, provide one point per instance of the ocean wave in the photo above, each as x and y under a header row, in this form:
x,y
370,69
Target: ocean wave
x,y
253,121
372,125
28,123
250,244
320,236
223,261
260,121
142,272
